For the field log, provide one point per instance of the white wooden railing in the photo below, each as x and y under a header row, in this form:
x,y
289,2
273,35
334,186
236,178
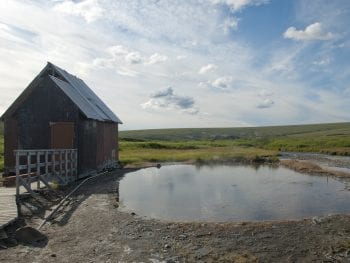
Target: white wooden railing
x,y
45,166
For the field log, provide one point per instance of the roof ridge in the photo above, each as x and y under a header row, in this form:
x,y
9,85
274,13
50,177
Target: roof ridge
x,y
87,94
80,93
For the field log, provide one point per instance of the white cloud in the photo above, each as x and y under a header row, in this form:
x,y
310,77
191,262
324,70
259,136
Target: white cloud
x,y
284,62
155,58
311,32
238,5
207,68
127,72
181,57
179,23
7,34
322,62
266,103
133,58
222,83
167,99
103,63
90,10
121,56
230,24
265,93
118,50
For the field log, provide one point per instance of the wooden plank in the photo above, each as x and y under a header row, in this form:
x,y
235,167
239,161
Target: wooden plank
x,y
8,206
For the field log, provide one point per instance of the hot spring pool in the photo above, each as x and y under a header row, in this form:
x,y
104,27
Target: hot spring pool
x,y
230,193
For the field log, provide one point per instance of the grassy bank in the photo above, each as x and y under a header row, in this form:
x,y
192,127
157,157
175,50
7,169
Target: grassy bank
x,y
193,151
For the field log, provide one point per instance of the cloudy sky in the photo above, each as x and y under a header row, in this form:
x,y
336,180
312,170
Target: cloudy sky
x,y
188,63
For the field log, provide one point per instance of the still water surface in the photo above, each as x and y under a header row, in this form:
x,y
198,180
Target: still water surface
x,y
230,193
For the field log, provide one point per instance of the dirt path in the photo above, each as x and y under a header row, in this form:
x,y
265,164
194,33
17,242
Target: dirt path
x,y
93,230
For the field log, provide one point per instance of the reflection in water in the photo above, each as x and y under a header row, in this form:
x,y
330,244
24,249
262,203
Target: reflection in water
x,y
223,192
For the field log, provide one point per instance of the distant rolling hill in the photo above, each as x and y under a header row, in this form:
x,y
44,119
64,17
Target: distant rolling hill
x,y
329,129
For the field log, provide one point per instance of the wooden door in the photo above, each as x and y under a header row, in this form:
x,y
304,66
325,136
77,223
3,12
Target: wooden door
x,y
62,135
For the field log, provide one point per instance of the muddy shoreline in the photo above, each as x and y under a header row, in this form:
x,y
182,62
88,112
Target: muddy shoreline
x,y
90,228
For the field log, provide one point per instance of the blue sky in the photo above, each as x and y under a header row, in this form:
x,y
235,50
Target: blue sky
x,y
204,63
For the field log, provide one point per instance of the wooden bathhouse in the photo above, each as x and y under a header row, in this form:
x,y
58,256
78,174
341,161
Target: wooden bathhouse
x,y
59,111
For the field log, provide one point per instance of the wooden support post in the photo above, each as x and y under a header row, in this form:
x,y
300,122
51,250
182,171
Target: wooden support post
x,y
28,169
53,162
46,164
28,188
69,165
72,165
75,163
17,175
66,165
38,170
60,161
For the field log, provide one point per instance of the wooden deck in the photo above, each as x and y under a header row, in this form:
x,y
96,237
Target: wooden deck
x,y
8,206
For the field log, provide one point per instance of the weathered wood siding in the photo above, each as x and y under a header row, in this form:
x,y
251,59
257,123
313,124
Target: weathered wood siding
x,y
46,104
107,133
87,133
29,125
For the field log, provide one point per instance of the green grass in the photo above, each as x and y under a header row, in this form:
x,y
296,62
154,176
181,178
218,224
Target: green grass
x,y
232,143
196,151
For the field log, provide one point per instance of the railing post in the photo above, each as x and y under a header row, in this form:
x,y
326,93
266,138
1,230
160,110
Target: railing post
x,y
75,152
70,167
53,162
28,169
46,164
38,169
66,165
60,161
17,174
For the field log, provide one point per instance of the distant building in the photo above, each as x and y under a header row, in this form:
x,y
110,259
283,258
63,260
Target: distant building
x,y
59,111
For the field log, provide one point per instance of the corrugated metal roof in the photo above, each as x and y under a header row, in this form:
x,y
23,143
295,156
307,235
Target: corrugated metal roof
x,y
87,101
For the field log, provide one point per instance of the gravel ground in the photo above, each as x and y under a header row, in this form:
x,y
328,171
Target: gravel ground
x,y
326,161
91,229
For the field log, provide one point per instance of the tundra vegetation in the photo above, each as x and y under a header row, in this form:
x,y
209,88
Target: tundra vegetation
x,y
237,144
